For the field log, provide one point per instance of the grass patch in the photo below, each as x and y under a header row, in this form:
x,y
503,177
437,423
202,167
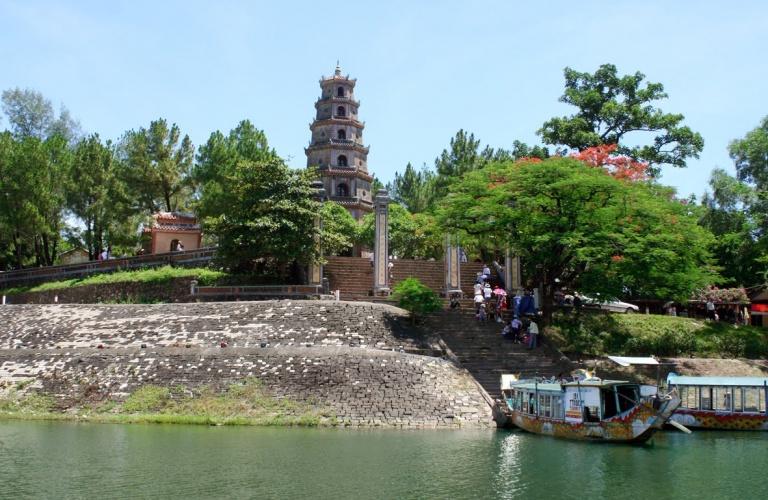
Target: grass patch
x,y
239,404
16,401
204,276
640,334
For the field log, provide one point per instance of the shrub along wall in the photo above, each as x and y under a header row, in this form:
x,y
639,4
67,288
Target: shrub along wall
x,y
640,334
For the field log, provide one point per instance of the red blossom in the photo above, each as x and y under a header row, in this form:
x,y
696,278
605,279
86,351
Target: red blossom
x,y
619,166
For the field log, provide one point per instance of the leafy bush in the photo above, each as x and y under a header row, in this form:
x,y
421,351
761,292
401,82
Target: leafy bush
x,y
640,334
415,297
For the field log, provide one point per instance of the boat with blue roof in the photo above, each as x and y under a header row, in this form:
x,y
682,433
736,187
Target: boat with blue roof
x,y
725,403
588,408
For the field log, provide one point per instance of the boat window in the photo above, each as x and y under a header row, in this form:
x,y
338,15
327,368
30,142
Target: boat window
x,y
689,396
706,398
751,398
609,402
525,403
722,398
546,405
628,397
557,407
761,400
737,401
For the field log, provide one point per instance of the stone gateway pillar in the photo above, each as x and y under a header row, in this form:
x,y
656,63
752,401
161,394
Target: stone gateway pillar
x,y
315,267
512,278
381,244
452,265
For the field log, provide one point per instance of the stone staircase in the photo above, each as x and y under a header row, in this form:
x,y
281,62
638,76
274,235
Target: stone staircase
x,y
354,275
482,350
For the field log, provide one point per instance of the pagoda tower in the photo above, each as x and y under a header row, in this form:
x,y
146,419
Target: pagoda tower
x,y
336,149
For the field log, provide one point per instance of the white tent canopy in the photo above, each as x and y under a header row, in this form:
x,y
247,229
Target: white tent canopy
x,y
627,360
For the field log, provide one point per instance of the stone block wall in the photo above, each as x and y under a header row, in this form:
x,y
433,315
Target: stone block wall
x,y
174,290
361,362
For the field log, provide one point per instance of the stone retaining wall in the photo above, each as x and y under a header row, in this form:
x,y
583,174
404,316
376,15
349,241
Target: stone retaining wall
x,y
200,325
360,387
354,360
173,290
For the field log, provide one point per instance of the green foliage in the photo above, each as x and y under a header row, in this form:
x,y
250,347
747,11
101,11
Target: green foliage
x,y
217,158
245,403
611,108
147,398
340,229
270,216
157,166
97,195
32,198
411,236
639,334
16,400
414,190
415,297
30,114
750,156
578,225
155,275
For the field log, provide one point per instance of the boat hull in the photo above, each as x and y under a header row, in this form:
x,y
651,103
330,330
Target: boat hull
x,y
637,426
731,421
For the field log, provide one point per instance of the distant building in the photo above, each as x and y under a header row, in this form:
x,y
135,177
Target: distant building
x,y
168,229
75,256
336,148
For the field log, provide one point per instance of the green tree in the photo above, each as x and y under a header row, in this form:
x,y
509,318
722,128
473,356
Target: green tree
x,y
414,190
750,156
340,229
32,183
521,150
611,108
269,221
96,194
462,156
411,236
157,162
728,214
218,156
580,226
30,114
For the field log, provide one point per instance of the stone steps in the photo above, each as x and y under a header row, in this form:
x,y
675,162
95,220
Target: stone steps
x,y
482,350
353,276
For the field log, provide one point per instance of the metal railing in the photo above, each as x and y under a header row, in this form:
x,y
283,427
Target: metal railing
x,y
257,290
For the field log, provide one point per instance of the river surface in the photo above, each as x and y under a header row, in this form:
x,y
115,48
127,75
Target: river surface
x,y
69,460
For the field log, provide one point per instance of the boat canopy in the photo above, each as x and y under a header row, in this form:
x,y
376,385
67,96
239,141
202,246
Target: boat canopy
x,y
595,382
628,360
540,387
675,379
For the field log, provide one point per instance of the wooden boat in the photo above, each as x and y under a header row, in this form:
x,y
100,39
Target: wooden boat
x,y
591,409
729,403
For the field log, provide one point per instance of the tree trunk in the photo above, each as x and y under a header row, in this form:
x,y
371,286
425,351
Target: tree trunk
x,y
17,245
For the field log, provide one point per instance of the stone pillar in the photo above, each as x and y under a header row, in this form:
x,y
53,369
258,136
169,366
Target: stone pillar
x,y
315,267
512,278
381,244
452,266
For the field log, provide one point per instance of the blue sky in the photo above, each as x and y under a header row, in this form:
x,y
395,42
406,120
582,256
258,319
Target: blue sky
x,y
425,69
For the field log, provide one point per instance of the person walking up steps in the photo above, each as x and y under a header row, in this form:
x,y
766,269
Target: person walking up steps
x,y
533,333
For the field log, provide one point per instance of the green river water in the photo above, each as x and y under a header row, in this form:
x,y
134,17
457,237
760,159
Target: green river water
x,y
69,460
